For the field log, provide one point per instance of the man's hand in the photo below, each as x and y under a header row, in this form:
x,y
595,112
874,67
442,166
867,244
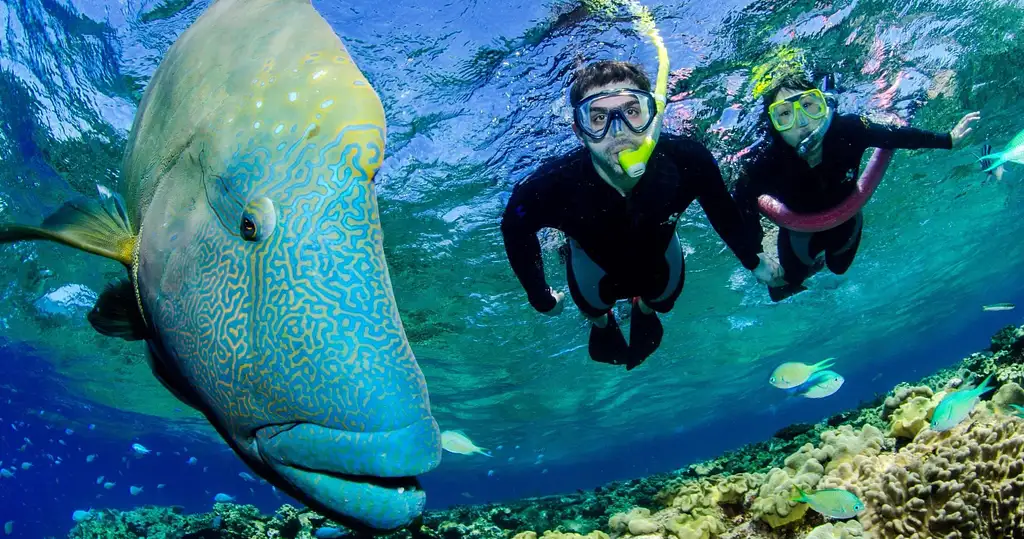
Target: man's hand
x,y
559,304
768,271
963,128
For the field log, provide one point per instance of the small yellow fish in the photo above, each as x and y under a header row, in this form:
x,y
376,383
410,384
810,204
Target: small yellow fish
x,y
455,441
793,374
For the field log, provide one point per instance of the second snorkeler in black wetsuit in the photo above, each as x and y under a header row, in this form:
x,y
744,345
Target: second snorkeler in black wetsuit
x,y
620,229
810,162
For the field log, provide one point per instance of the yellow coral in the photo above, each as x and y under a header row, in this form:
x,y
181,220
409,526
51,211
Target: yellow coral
x,y
701,524
838,530
913,415
967,483
806,467
1009,393
561,535
694,508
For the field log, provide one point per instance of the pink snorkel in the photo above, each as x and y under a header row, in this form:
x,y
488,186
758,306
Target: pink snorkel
x,y
779,214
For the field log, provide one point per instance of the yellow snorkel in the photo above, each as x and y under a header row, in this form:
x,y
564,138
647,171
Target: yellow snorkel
x,y
634,162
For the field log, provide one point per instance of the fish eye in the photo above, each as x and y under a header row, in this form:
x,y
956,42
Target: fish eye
x,y
258,220
248,229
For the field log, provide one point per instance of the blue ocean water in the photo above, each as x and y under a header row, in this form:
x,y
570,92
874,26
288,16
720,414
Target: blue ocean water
x,y
42,499
474,95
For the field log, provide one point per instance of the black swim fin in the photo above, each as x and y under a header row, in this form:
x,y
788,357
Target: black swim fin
x,y
779,293
607,345
645,333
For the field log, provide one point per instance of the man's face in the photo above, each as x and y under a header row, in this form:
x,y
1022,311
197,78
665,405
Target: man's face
x,y
802,126
619,137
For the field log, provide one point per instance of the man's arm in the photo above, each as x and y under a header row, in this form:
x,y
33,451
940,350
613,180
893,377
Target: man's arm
x,y
745,193
522,219
722,211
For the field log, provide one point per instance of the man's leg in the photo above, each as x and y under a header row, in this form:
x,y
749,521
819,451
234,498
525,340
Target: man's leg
x,y
606,345
645,329
797,254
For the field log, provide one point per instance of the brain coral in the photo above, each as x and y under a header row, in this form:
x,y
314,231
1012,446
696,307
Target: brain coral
x,y
965,483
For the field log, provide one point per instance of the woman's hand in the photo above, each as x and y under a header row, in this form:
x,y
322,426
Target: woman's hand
x,y
963,128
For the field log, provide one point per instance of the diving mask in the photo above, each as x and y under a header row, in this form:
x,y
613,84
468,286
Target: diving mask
x,y
634,109
811,104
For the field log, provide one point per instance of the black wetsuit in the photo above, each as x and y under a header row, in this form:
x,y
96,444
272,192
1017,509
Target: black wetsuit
x,y
776,169
629,236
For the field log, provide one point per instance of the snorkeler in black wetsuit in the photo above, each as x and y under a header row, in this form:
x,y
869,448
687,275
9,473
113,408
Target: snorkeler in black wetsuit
x,y
620,230
810,162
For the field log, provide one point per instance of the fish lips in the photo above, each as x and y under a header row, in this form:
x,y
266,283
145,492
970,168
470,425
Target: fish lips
x,y
365,480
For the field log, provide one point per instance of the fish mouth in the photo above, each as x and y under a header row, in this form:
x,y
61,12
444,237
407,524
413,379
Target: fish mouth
x,y
364,480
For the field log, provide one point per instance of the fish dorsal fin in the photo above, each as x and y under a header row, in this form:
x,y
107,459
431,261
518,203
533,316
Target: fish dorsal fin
x,y
116,313
99,226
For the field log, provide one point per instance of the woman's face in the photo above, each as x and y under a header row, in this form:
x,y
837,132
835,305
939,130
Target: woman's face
x,y
802,126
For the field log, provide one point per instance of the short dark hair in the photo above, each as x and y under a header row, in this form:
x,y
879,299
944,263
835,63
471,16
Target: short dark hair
x,y
606,72
796,81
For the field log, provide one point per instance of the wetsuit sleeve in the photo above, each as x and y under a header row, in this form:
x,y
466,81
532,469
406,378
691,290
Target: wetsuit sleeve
x,y
722,211
745,194
523,217
874,135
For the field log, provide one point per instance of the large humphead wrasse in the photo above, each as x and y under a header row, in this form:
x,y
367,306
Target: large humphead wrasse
x,y
249,226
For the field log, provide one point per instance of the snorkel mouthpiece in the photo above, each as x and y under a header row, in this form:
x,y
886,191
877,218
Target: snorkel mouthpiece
x,y
634,162
828,83
814,139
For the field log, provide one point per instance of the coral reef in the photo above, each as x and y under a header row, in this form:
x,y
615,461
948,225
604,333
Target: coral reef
x,y
967,482
226,521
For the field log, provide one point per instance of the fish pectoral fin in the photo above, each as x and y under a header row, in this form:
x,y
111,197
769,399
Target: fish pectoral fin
x,y
166,378
97,226
116,312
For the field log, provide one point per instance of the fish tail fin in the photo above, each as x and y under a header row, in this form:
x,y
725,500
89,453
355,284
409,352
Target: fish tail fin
x,y
97,226
996,164
986,151
990,155
983,387
801,496
823,364
485,452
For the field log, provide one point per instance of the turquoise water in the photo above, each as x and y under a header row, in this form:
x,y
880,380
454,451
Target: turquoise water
x,y
475,95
